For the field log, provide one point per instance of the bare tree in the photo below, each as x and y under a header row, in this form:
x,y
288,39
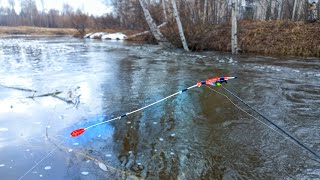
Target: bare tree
x,y
205,8
52,18
12,4
300,9
80,22
279,9
162,40
234,39
294,10
121,13
13,12
181,33
164,10
29,10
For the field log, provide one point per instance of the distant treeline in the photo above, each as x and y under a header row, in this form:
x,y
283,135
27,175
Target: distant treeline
x,y
129,15
30,15
215,12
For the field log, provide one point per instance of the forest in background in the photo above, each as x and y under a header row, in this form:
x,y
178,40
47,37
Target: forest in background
x,y
128,14
206,23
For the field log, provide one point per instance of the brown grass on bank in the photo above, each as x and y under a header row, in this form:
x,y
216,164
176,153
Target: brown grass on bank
x,y
28,30
258,37
280,38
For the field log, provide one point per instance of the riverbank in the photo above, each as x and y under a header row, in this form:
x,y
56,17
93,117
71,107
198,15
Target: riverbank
x,y
278,38
29,30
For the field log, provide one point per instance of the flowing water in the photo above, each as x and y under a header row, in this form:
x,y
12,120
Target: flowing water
x,y
198,134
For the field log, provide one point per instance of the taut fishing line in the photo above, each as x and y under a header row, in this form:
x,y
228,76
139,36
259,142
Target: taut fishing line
x,y
48,126
286,137
293,139
42,159
246,112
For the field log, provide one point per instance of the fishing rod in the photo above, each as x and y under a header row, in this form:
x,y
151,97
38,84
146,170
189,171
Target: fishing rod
x,y
274,124
211,81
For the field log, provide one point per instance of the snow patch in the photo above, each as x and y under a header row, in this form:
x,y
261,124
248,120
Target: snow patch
x,y
47,167
109,36
4,129
114,36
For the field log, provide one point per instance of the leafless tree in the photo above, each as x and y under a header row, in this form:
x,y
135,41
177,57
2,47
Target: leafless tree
x,y
234,37
162,40
80,22
177,17
29,10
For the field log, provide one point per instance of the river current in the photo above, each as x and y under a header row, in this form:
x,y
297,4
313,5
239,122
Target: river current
x,y
50,86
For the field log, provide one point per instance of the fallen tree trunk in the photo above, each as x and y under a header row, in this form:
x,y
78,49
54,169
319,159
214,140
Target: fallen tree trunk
x,y
146,32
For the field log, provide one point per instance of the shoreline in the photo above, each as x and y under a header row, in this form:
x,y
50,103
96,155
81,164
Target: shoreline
x,y
268,38
35,31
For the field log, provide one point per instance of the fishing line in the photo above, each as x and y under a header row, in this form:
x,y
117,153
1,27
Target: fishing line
x,y
52,151
78,132
272,128
274,124
247,112
212,81
42,159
